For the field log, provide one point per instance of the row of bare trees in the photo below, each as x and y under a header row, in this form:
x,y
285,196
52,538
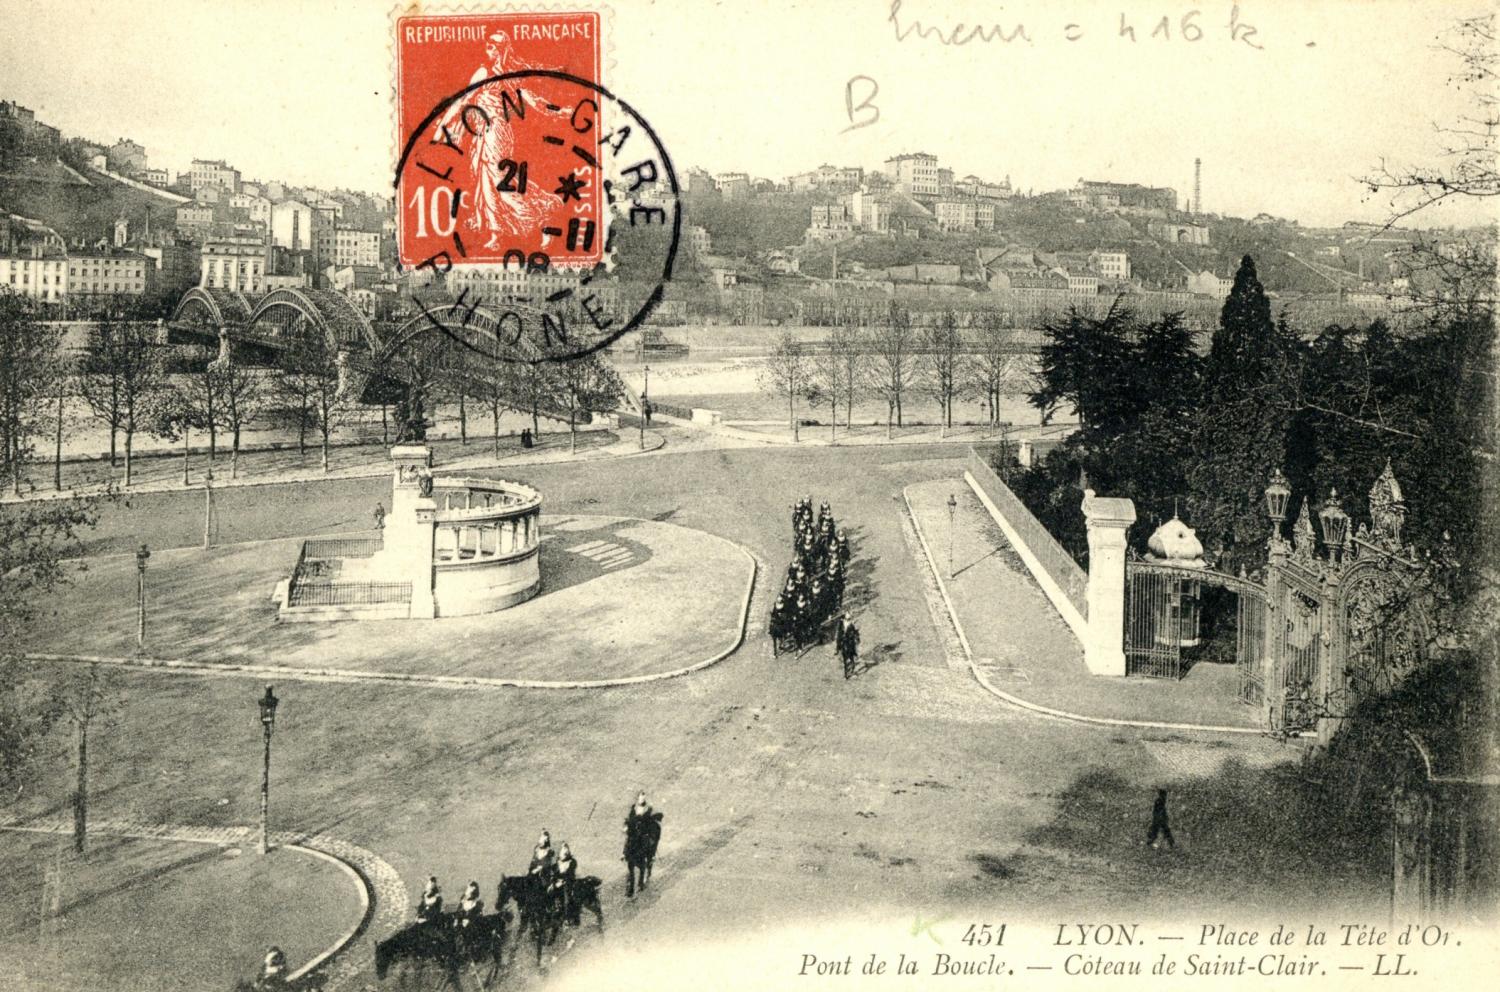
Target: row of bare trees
x,y
130,381
895,361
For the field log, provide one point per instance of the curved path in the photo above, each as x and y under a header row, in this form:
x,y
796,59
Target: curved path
x,y
382,894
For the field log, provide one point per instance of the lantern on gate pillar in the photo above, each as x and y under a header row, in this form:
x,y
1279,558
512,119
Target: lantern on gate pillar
x,y
1335,524
1177,617
1277,494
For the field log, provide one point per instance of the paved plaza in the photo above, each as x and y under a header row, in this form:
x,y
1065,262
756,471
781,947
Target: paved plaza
x,y
788,792
601,578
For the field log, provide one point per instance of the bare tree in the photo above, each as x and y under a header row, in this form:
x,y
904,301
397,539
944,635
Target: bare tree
x,y
586,384
828,379
1454,274
30,363
1469,145
786,371
943,352
848,345
242,393
893,362
85,698
995,361
309,377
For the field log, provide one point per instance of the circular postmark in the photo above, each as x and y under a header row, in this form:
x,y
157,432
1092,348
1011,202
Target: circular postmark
x,y
545,212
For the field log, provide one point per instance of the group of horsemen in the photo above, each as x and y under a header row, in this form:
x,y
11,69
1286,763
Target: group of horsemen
x,y
556,870
814,589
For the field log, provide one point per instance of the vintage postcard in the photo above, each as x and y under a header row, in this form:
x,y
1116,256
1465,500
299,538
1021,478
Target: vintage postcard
x,y
647,495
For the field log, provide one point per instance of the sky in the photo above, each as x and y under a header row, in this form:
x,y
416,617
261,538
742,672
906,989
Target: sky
x,y
302,91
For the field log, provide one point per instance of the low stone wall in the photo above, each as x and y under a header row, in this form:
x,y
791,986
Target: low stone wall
x,y
1061,578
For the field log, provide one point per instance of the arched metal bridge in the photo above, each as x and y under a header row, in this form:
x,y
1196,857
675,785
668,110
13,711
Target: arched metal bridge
x,y
445,342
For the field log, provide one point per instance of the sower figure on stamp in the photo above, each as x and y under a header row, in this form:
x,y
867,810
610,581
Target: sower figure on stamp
x,y
497,214
1159,824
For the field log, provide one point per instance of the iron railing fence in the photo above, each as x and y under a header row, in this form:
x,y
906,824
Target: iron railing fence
x,y
349,593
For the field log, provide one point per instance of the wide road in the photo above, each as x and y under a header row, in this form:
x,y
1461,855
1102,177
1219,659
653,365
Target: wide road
x,y
790,795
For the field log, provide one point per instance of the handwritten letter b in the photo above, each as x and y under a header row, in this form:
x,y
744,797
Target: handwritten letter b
x,y
866,104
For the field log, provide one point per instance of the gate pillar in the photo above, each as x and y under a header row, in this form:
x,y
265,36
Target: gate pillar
x,y
1108,520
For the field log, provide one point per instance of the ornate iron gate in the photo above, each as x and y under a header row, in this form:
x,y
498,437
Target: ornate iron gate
x,y
1154,622
1176,617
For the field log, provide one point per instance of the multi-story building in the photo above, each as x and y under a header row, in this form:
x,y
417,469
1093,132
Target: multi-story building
x,y
20,235
869,211
827,177
256,208
351,247
945,182
1081,283
195,220
156,177
177,268
230,262
1124,196
915,174
126,156
976,187
1111,263
292,225
36,132
699,240
964,214
830,222
1207,283
732,184
39,273
497,283
212,172
107,272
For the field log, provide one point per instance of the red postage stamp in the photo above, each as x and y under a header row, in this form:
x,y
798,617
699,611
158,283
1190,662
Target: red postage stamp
x,y
500,131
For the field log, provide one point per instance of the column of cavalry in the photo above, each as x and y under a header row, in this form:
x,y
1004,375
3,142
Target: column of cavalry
x,y
463,938
813,593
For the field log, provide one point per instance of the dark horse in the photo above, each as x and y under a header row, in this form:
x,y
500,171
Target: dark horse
x,y
540,908
443,944
640,849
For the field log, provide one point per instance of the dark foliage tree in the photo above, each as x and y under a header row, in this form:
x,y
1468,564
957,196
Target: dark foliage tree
x,y
1080,368
1239,429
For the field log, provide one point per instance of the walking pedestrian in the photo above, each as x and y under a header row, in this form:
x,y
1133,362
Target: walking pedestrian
x,y
1159,822
379,515
848,644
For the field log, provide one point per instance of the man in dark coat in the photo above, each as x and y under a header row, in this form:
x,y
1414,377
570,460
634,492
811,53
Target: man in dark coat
x,y
637,844
1159,824
803,619
430,906
779,629
470,907
848,644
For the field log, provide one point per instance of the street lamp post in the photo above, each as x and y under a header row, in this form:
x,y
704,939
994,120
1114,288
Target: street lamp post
x,y
952,510
208,509
268,721
141,554
645,401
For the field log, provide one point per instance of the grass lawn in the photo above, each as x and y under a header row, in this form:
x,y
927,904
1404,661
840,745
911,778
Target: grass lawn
x,y
149,915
